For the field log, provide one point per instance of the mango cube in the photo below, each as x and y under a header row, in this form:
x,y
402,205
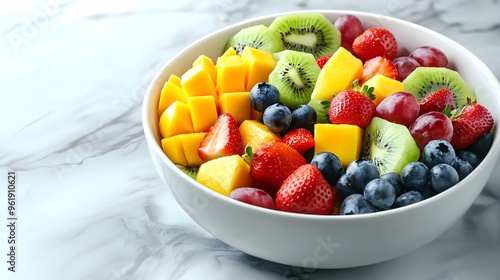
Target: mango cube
x,y
209,66
172,147
198,82
169,94
176,120
343,140
337,75
383,87
259,64
203,111
229,52
190,144
174,79
231,74
255,133
225,174
237,104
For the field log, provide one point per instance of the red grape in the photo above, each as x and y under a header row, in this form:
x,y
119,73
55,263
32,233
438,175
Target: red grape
x,y
253,196
350,27
431,126
429,57
405,66
400,107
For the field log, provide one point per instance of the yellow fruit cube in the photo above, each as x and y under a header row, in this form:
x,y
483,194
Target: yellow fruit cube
x,y
337,75
203,111
176,120
225,174
174,79
207,63
255,115
169,94
229,52
259,64
237,104
383,87
172,147
230,74
343,140
255,133
190,144
198,82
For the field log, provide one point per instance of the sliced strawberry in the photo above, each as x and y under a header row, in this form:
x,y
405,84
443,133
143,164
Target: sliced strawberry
x,y
353,107
223,139
300,139
437,101
379,65
322,60
473,122
375,42
272,163
306,191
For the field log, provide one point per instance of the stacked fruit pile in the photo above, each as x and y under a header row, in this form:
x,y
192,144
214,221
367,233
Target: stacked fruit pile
x,y
310,116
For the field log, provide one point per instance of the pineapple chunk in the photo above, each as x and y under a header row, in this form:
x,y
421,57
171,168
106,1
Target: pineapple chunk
x,y
198,82
230,74
383,87
169,94
203,111
259,64
172,147
209,66
176,120
237,104
255,133
225,174
343,140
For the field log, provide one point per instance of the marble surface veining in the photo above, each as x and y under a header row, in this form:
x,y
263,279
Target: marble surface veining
x,y
89,203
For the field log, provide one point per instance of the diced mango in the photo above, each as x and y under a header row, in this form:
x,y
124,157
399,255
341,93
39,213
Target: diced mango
x,y
237,104
230,74
255,133
337,75
174,79
169,94
255,115
343,140
203,111
225,174
198,82
176,120
383,87
172,147
229,52
190,144
208,64
259,64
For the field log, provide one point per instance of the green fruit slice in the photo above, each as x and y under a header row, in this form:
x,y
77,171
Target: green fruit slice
x,y
258,36
191,171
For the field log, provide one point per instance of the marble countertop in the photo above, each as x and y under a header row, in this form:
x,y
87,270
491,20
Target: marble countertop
x,y
89,204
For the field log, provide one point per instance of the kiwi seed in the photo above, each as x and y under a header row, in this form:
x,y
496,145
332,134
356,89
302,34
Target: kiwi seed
x,y
191,171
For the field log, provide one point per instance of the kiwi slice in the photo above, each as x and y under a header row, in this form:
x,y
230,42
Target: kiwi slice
x,y
426,80
294,76
191,171
257,36
307,32
389,146
321,107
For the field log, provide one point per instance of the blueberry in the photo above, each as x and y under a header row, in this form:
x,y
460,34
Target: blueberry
x,y
263,95
462,167
303,116
329,165
359,173
427,192
380,193
277,117
408,198
395,180
482,145
443,177
470,157
415,176
438,151
343,188
356,204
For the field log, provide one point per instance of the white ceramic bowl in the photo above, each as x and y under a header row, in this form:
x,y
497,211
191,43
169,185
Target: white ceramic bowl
x,y
325,241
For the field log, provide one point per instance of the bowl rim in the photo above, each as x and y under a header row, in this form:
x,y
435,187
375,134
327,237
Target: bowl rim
x,y
156,147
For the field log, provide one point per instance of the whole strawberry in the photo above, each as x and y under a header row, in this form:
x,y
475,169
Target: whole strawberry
x,y
273,162
353,107
375,42
437,101
471,123
306,191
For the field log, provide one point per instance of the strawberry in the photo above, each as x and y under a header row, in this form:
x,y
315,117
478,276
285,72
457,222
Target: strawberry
x,y
375,42
321,61
300,139
353,107
306,191
471,123
223,139
273,162
437,101
379,65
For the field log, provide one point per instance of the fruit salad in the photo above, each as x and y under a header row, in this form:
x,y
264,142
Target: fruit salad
x,y
328,118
